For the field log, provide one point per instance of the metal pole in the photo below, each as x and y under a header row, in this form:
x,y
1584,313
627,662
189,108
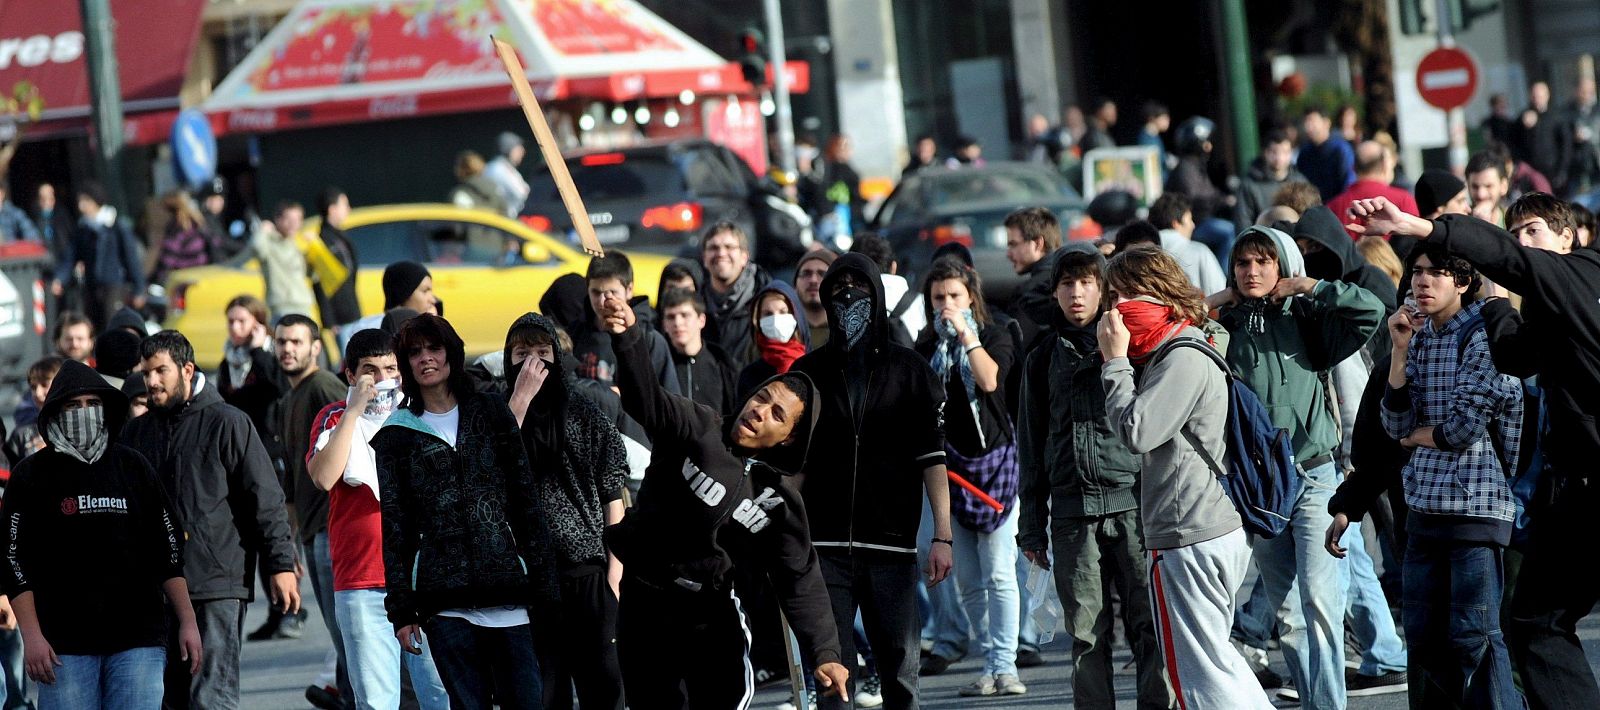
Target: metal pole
x,y
1241,86
780,87
1455,120
105,95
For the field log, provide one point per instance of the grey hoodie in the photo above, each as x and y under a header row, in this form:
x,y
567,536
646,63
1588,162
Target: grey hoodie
x,y
1181,502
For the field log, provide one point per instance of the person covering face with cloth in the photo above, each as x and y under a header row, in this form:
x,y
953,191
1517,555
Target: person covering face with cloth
x,y
971,355
1160,404
881,412
715,497
95,555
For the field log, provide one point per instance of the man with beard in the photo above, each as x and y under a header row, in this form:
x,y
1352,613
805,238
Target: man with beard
x,y
882,406
732,283
222,483
808,275
310,389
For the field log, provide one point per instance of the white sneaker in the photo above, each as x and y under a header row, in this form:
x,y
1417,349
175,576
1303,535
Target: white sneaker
x,y
1007,684
811,703
982,687
870,694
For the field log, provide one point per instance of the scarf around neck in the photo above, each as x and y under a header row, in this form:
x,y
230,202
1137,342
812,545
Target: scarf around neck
x,y
949,354
1149,323
780,355
239,362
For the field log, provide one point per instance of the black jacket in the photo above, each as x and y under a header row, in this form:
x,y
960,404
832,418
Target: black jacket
x,y
1561,320
463,527
577,457
704,508
864,490
214,465
1340,260
708,378
1376,458
340,306
92,542
728,314
1073,465
257,396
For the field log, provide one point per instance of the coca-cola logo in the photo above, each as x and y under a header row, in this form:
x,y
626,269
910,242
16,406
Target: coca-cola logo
x,y
253,120
392,106
69,506
35,50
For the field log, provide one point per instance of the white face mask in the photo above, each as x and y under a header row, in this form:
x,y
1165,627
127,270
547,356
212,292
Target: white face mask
x,y
779,327
384,401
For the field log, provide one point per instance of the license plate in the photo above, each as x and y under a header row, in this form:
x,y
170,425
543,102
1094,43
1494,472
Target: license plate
x,y
611,233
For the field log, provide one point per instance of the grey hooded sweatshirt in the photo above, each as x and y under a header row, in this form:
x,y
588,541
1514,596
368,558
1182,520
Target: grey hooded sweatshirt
x,y
1181,502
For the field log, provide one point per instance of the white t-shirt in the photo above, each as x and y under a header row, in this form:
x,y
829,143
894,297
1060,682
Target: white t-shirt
x,y
446,424
495,617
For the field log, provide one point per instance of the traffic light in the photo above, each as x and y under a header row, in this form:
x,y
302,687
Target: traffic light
x,y
1419,16
753,56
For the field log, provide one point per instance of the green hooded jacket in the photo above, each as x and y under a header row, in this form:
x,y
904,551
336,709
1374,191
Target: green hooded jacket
x,y
1284,350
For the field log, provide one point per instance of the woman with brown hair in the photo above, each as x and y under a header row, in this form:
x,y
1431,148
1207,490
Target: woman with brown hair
x,y
971,354
1164,402
185,242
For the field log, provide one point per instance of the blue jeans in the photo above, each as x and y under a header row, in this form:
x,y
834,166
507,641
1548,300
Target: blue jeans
x,y
319,567
986,564
375,657
474,661
130,680
1369,617
947,624
1313,642
1452,617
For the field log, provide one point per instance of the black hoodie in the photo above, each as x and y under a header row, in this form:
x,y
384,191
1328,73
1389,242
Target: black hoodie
x,y
1560,322
704,508
1339,259
882,414
213,464
577,457
92,542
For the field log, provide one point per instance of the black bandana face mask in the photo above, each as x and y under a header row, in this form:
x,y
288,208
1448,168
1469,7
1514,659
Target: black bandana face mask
x,y
852,308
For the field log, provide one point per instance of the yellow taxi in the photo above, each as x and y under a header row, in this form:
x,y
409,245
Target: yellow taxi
x,y
486,268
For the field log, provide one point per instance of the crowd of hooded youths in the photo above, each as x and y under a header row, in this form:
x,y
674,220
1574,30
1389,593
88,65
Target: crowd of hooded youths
x,y
619,504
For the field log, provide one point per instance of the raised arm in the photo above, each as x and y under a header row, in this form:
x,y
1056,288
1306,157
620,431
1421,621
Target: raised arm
x,y
665,416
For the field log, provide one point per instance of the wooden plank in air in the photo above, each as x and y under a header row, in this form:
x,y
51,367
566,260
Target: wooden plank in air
x,y
548,147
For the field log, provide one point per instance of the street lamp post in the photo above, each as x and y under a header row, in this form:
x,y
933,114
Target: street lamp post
x,y
105,94
783,115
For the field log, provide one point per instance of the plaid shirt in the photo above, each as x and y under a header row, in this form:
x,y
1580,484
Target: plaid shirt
x,y
1476,413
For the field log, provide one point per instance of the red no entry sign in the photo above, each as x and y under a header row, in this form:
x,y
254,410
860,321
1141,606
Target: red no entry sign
x,y
1447,78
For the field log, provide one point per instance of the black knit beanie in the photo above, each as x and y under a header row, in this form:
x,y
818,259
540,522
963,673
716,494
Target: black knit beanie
x,y
400,279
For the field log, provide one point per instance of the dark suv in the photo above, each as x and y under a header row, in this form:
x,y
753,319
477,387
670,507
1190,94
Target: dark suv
x,y
659,197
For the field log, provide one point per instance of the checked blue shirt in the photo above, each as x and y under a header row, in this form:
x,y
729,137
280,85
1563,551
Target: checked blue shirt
x,y
1476,413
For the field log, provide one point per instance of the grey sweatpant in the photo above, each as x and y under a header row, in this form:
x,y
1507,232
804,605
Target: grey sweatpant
x,y
1191,592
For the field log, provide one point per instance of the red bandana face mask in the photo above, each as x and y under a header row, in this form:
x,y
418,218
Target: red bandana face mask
x,y
1149,323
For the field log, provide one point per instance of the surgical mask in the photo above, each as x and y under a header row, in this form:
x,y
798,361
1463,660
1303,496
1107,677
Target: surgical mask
x,y
79,433
852,310
384,401
779,327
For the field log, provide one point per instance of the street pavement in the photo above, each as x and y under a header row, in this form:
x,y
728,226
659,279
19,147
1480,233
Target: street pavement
x,y
276,673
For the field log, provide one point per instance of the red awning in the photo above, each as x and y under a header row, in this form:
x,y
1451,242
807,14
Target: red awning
x,y
345,61
42,44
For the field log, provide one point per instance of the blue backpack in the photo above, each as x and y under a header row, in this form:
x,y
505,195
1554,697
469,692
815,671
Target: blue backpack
x,y
1261,476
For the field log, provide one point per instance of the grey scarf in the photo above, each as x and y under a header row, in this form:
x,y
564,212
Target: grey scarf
x,y
79,433
239,362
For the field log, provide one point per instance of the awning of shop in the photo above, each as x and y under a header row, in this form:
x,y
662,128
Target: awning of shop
x,y
344,61
42,45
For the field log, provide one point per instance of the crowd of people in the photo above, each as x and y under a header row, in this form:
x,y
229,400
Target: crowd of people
x,y
614,509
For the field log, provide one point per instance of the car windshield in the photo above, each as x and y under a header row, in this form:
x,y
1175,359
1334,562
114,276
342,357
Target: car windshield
x,y
988,187
612,176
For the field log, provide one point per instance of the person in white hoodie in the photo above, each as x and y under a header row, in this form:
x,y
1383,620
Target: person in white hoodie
x,y
1173,215
341,461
